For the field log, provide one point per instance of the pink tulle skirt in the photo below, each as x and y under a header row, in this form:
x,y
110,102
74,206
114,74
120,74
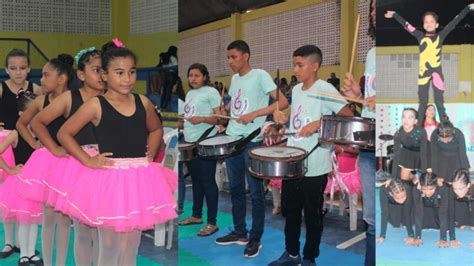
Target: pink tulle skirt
x,y
15,209
351,181
131,195
7,154
275,183
64,175
34,172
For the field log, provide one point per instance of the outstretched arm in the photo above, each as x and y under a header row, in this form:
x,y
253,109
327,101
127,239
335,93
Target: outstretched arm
x,y
405,24
452,24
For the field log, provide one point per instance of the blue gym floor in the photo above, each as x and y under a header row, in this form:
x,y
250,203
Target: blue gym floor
x,y
394,251
194,250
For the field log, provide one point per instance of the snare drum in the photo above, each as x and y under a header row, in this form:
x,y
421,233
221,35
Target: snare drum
x,y
275,162
218,147
186,151
344,130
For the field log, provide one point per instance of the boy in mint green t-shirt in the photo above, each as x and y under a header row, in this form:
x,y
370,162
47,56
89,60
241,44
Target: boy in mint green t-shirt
x,y
306,193
250,90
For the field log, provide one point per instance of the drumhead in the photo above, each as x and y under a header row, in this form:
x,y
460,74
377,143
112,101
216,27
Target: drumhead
x,y
219,140
278,152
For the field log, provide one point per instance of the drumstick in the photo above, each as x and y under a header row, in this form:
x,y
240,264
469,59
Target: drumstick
x,y
361,101
354,44
225,117
278,90
282,134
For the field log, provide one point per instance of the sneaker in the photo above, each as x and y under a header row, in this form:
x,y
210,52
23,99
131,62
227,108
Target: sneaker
x,y
232,239
252,249
308,263
286,260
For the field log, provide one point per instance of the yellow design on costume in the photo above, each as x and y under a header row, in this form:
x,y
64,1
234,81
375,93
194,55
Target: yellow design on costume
x,y
431,56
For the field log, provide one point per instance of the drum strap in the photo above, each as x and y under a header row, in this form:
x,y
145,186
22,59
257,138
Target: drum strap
x,y
315,147
246,140
205,134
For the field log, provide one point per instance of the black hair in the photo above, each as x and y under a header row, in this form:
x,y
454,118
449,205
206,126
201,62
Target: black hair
x,y
86,58
111,54
17,53
203,69
431,13
396,186
240,46
428,179
462,175
107,46
412,110
25,97
371,29
63,66
283,81
310,51
446,129
173,51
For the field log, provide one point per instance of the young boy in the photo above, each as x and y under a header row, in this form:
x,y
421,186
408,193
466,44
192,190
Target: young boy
x,y
306,193
249,90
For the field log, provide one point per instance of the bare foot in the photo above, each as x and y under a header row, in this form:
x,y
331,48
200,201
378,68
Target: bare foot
x,y
455,244
442,244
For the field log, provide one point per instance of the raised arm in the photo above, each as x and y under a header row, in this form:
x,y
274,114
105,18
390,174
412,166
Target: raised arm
x,y
452,24
405,24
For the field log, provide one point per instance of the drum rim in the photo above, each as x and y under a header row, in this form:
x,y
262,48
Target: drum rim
x,y
255,174
218,145
271,159
348,118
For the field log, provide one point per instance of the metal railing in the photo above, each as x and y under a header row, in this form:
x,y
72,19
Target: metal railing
x,y
29,45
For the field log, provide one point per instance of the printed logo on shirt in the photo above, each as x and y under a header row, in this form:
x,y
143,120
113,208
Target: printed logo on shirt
x,y
370,86
239,104
189,110
298,122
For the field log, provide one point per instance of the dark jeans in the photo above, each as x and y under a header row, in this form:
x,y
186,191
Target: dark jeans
x,y
203,174
367,176
181,186
304,194
237,170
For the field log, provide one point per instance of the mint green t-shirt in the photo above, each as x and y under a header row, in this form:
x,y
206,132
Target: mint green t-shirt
x,y
369,89
249,93
199,102
307,106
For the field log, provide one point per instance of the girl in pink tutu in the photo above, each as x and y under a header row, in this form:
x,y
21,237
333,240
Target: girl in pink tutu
x,y
346,174
57,74
15,209
8,139
120,192
63,176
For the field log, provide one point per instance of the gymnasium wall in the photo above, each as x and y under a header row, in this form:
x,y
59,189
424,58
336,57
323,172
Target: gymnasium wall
x,y
274,32
397,80
88,23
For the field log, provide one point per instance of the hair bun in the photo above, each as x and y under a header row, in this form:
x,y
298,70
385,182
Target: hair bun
x,y
66,59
